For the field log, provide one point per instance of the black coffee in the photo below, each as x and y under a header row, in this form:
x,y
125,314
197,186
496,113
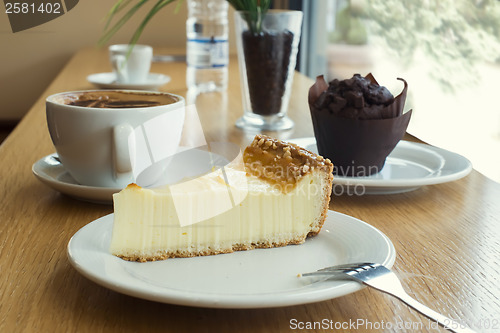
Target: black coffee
x,y
111,104
115,99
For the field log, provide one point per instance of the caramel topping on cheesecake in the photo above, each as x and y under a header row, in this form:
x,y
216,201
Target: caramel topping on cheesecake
x,y
281,163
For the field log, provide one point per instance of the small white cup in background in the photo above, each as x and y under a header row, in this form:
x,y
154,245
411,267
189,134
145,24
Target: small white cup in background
x,y
125,141
131,67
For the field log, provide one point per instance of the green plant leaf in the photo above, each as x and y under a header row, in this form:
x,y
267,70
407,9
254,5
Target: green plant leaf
x,y
111,31
118,6
254,11
156,8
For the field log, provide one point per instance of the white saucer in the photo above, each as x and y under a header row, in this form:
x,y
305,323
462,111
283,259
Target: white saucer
x,y
108,81
187,163
51,172
258,278
409,166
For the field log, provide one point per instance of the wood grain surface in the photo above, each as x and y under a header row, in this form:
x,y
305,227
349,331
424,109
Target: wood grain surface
x,y
447,239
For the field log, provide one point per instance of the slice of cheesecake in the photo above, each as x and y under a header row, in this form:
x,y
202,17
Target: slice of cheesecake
x,y
278,196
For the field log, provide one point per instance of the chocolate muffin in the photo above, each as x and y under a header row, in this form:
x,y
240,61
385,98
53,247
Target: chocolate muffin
x,y
357,123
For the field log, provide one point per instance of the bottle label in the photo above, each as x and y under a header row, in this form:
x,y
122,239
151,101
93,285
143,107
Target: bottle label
x,y
206,53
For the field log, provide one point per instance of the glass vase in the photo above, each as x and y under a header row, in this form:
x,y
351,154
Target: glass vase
x,y
267,52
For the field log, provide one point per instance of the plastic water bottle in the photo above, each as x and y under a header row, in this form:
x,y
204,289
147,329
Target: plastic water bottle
x,y
207,45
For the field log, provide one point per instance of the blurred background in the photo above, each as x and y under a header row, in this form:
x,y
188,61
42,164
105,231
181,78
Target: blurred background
x,y
448,51
30,59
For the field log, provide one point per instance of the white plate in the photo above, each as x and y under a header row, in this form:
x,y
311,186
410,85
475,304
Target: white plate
x,y
248,279
108,81
409,166
51,172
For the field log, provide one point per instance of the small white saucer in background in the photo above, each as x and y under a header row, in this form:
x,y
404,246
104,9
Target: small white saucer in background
x,y
409,166
108,81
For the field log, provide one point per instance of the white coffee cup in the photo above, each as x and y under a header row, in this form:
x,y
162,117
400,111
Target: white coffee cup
x,y
131,66
124,140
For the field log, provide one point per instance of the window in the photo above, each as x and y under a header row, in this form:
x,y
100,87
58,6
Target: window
x,y
448,51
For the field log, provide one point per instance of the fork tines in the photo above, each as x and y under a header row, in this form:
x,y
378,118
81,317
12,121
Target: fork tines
x,y
342,269
349,267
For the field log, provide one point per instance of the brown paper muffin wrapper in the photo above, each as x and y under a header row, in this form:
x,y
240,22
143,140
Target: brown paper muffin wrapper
x,y
357,147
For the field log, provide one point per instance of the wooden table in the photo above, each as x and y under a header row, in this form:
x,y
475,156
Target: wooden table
x,y
447,239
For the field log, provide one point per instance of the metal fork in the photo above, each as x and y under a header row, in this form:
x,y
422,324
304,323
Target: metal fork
x,y
381,278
